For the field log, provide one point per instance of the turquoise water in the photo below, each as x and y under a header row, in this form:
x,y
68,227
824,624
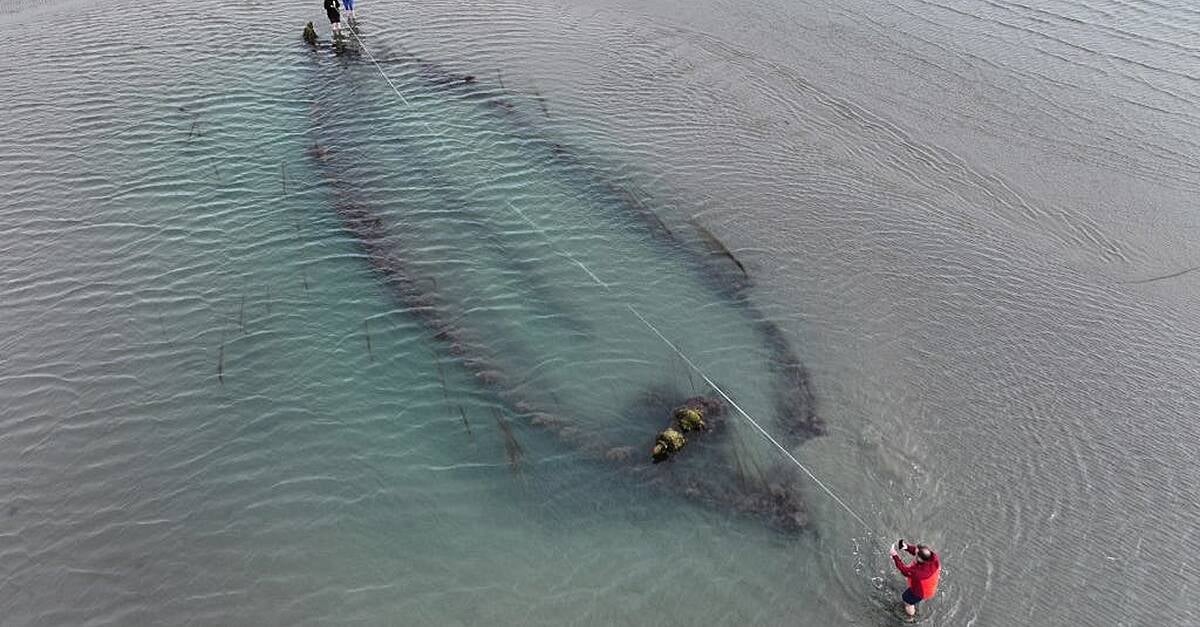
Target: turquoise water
x,y
221,404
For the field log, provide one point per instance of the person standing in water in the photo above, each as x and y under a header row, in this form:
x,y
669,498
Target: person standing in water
x,y
335,17
922,574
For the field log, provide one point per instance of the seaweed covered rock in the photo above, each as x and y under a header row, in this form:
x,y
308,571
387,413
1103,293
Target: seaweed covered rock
x,y
687,418
708,407
669,442
310,34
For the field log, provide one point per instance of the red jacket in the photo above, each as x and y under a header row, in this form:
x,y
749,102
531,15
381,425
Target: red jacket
x,y
922,576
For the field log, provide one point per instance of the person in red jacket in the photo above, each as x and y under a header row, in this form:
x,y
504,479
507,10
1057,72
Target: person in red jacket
x,y
922,574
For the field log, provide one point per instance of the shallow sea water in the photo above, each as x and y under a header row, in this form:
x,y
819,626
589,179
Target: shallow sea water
x,y
214,411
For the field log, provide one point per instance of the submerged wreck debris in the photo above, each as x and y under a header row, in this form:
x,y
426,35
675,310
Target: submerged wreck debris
x,y
719,247
701,475
193,131
794,400
437,362
541,100
442,381
466,424
512,448
774,499
1161,277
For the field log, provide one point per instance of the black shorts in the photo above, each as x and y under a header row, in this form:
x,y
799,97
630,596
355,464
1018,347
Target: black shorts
x,y
911,597
334,16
